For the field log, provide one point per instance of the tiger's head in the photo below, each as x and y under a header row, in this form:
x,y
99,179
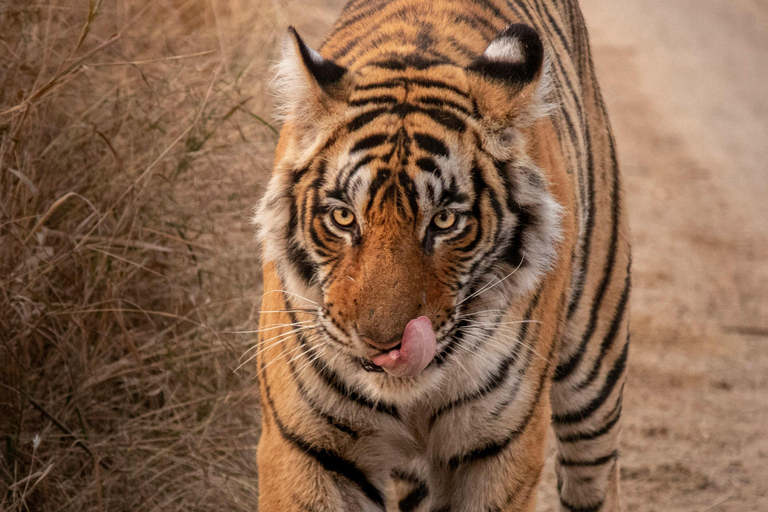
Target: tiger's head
x,y
402,188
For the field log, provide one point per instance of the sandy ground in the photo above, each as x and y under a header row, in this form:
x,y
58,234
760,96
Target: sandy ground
x,y
685,83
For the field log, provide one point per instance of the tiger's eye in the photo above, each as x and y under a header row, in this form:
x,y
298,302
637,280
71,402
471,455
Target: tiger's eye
x,y
343,217
444,220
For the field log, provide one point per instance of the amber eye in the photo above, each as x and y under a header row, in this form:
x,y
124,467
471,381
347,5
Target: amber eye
x,y
343,217
444,220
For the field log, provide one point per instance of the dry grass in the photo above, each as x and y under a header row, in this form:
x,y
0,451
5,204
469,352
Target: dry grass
x,y
131,153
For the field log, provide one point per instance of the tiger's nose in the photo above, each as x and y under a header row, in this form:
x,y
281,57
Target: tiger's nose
x,y
378,344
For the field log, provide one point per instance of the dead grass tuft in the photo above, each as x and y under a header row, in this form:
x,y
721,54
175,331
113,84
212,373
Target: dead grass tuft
x,y
132,148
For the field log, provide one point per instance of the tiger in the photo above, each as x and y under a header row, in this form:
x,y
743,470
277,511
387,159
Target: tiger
x,y
446,265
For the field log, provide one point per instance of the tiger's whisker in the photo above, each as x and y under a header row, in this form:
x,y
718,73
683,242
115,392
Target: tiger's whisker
x,y
492,285
271,328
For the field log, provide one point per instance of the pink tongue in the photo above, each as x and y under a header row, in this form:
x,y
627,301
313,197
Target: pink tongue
x,y
415,353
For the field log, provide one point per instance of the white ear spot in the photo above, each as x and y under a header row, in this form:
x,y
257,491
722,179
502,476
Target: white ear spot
x,y
315,56
506,49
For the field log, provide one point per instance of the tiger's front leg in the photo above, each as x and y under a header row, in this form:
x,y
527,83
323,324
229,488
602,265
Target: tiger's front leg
x,y
289,481
301,465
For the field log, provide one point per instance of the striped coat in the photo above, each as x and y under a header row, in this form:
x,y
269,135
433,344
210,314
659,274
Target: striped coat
x,y
449,161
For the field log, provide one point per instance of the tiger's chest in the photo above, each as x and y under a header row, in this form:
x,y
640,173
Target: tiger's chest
x,y
415,459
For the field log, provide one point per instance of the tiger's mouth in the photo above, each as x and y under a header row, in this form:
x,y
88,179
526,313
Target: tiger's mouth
x,y
409,357
367,362
370,366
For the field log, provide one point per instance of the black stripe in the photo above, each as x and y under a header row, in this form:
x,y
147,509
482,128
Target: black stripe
x,y
298,174
406,476
480,187
591,462
589,228
565,369
478,23
363,119
409,189
361,35
428,165
401,63
337,384
488,450
497,379
466,51
353,172
346,19
431,100
608,385
298,257
610,336
329,459
528,359
496,447
381,178
398,82
513,254
442,357
500,376
425,82
341,426
333,421
594,434
587,508
443,117
414,498
369,142
558,30
386,99
430,144
321,247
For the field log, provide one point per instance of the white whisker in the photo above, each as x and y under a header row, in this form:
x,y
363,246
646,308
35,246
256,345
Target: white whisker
x,y
270,328
291,294
268,343
492,285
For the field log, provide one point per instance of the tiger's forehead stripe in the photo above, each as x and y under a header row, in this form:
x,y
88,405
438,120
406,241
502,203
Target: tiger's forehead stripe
x,y
392,140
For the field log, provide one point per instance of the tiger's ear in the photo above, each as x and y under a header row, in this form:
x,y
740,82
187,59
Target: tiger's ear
x,y
509,81
310,88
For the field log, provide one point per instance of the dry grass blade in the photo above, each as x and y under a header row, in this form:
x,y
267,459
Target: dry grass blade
x,y
129,164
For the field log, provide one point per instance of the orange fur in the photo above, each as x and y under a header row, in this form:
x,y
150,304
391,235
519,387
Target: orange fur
x,y
533,156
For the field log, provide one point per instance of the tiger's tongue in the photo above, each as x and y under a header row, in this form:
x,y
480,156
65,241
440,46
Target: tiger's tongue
x,y
415,353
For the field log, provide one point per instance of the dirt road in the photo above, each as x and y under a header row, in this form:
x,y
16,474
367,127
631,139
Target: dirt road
x,y
685,83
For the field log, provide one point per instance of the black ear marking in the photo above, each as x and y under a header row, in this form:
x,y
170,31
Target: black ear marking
x,y
326,72
515,56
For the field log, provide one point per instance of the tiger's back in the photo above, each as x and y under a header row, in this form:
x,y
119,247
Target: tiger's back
x,y
410,106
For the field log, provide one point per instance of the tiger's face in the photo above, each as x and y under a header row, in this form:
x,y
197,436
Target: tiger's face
x,y
403,190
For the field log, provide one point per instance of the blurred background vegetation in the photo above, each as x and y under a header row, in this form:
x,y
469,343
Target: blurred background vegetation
x,y
134,143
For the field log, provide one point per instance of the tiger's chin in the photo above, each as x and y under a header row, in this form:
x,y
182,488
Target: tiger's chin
x,y
363,377
402,391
